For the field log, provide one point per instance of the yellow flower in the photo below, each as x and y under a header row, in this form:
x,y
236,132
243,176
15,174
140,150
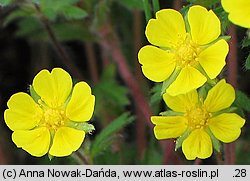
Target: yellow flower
x,y
239,11
187,53
200,124
54,123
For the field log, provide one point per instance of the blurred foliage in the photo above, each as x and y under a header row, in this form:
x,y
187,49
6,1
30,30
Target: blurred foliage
x,y
75,23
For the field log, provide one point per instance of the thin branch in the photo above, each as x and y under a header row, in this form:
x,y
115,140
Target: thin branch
x,y
58,47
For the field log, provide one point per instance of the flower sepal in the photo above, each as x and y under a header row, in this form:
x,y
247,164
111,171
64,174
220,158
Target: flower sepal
x,y
169,81
86,127
50,157
180,140
227,110
171,113
33,94
216,143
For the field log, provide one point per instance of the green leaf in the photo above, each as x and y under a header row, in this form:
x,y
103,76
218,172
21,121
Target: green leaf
x,y
24,11
153,154
50,13
113,92
180,140
29,26
73,12
205,3
156,94
215,141
245,42
242,101
33,94
102,140
247,63
131,4
5,2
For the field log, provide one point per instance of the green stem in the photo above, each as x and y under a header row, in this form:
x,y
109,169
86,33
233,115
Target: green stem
x,y
147,10
156,5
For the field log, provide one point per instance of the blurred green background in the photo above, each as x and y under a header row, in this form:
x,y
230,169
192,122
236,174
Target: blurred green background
x,y
97,41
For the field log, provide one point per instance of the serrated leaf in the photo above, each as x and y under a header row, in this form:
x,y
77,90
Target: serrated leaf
x,y
245,42
215,141
247,63
72,12
102,140
19,13
242,101
29,26
180,140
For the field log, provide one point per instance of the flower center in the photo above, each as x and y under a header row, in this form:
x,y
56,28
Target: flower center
x,y
53,118
197,117
186,53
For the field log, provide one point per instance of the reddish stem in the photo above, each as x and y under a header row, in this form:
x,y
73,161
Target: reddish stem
x,y
91,58
140,126
177,4
232,79
58,47
109,42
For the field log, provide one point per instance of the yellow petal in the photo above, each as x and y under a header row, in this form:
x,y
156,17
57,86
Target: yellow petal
x,y
169,126
81,105
239,11
166,29
212,59
204,25
53,88
221,96
36,142
66,140
23,112
226,127
188,79
182,102
157,64
197,145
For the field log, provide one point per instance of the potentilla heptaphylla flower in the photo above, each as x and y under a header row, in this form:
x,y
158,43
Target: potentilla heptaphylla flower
x,y
199,123
54,119
185,55
239,11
